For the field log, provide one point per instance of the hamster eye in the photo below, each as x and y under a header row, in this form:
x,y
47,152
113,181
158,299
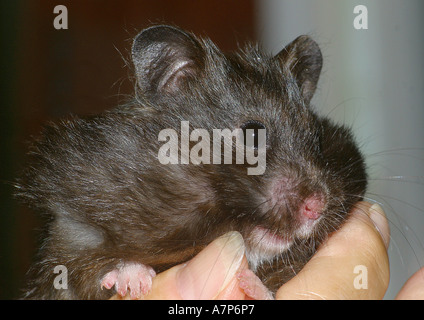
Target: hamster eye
x,y
251,132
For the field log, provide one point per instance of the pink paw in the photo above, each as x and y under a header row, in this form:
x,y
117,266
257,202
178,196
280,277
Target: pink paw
x,y
253,286
135,277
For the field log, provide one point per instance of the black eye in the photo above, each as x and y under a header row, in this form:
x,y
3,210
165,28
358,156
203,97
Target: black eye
x,y
251,133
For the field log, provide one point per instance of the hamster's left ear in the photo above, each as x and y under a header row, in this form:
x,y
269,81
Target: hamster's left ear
x,y
304,59
165,58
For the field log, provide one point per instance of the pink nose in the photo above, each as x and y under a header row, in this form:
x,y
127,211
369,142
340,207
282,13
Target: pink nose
x,y
312,207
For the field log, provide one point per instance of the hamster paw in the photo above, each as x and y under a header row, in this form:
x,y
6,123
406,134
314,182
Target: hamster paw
x,y
253,286
135,277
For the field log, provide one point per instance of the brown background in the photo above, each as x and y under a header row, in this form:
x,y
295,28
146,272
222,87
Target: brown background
x,y
49,73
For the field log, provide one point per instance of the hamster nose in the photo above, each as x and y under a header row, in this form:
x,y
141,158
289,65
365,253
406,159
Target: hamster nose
x,y
312,207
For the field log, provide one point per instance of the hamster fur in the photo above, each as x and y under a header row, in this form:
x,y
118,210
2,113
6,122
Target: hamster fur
x,y
109,202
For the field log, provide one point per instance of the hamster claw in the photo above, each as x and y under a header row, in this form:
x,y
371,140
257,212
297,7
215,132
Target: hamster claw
x,y
133,277
253,286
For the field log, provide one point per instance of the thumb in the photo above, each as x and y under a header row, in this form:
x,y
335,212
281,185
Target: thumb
x,y
209,275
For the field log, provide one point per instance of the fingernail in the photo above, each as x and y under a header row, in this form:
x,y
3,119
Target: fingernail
x,y
207,274
380,222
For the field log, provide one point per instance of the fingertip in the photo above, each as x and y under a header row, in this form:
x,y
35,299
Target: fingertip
x,y
413,289
379,219
375,214
207,274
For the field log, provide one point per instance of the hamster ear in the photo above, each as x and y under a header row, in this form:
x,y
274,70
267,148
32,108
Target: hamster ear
x,y
164,58
304,59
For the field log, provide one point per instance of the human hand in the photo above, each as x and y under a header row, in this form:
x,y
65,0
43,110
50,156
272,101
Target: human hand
x,y
413,289
353,256
362,241
212,274
330,274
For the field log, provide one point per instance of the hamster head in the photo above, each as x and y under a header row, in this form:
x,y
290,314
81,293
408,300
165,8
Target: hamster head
x,y
314,171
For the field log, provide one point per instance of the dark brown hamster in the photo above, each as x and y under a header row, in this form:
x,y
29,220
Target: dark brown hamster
x,y
112,207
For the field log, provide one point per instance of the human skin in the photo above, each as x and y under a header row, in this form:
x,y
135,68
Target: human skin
x,y
362,241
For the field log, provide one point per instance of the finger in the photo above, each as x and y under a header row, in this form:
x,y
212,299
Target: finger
x,y
209,275
413,289
212,273
351,264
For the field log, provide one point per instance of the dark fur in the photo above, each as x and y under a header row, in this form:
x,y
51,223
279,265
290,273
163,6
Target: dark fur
x,y
108,199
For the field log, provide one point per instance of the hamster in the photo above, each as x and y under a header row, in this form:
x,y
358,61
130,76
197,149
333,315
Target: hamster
x,y
114,211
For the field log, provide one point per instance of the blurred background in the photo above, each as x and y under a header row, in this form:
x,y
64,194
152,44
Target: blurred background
x,y
372,80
